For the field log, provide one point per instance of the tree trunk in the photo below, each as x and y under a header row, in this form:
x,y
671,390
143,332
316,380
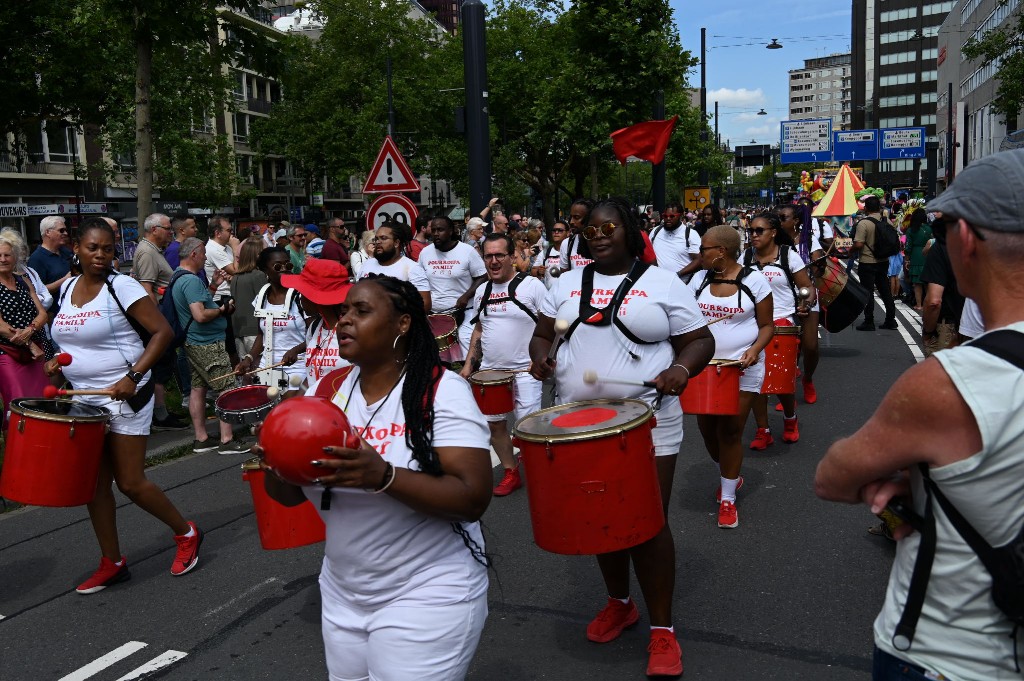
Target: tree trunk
x,y
143,126
593,177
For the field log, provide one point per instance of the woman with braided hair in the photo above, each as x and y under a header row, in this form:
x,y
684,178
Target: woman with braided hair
x,y
404,577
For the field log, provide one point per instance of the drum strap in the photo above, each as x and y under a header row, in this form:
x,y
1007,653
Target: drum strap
x,y
486,301
738,283
605,316
782,262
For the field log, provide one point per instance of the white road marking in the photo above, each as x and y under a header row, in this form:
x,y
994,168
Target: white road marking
x,y
170,657
98,665
909,319
245,594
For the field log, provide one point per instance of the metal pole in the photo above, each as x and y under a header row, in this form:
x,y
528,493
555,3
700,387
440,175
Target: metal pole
x,y
718,148
658,171
474,57
391,102
703,175
78,181
950,149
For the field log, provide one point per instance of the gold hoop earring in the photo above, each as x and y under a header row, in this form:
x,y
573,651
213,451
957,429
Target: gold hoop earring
x,y
717,271
394,346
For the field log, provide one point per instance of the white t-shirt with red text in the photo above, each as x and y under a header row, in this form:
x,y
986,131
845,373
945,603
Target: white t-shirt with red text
x,y
450,273
547,261
321,352
674,249
783,300
380,550
657,307
506,329
289,331
738,330
578,261
404,268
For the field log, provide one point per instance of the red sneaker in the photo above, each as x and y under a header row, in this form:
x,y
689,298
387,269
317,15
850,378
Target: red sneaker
x,y
612,620
718,492
666,656
107,574
762,439
510,483
727,515
792,431
810,394
187,556
778,407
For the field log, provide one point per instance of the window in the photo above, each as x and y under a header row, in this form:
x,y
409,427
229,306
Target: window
x,y
239,87
897,58
898,79
928,120
998,15
60,139
902,100
897,122
896,15
241,127
932,53
929,97
929,75
937,8
968,10
895,37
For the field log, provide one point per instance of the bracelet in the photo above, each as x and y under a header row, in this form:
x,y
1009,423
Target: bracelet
x,y
683,368
389,477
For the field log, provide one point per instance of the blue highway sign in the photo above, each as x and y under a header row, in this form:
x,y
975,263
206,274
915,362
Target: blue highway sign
x,y
854,145
806,141
899,143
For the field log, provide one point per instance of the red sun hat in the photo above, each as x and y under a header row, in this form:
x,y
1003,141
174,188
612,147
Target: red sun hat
x,y
324,282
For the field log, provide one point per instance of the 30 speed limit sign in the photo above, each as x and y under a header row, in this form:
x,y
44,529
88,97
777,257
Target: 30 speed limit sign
x,y
393,208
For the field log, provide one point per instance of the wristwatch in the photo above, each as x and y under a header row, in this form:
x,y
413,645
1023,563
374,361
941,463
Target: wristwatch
x,y
135,376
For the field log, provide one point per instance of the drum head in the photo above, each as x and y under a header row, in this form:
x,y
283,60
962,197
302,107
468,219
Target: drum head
x,y
58,410
491,376
441,324
582,420
246,397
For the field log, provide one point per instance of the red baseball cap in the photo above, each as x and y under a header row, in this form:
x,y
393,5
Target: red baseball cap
x,y
324,282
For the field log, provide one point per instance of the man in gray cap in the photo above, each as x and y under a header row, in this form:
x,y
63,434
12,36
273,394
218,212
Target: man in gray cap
x,y
947,436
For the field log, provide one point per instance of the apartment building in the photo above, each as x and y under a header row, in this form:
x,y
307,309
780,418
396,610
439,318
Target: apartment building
x,y
823,88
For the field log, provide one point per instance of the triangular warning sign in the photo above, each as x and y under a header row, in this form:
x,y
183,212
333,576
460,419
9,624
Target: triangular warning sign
x,y
390,172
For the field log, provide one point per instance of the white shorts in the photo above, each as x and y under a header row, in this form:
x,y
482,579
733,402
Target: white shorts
x,y
668,431
752,377
527,391
123,420
397,642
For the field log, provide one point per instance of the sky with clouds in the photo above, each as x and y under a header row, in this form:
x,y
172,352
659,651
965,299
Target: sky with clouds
x,y
744,76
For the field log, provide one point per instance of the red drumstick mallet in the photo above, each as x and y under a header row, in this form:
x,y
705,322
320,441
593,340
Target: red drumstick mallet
x,y
53,391
63,359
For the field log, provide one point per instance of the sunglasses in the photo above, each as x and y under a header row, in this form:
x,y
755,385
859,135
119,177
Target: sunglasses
x,y
605,229
708,248
756,231
283,266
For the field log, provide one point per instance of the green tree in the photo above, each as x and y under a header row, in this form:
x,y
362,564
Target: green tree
x,y
1004,45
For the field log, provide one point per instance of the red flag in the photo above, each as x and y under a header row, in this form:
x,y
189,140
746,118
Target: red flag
x,y
644,140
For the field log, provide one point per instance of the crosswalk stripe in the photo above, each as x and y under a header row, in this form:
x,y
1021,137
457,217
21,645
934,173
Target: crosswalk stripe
x,y
158,662
98,665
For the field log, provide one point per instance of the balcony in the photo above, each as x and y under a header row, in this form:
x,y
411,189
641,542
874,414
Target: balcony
x,y
258,105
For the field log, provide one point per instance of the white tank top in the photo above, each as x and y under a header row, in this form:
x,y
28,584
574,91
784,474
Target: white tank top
x,y
961,633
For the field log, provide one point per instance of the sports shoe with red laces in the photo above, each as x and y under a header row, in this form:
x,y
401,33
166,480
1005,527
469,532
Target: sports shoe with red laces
x,y
810,394
509,483
187,556
791,433
718,492
666,657
107,574
762,439
727,515
612,620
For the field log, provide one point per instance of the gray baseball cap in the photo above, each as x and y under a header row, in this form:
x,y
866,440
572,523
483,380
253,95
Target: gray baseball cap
x,y
987,193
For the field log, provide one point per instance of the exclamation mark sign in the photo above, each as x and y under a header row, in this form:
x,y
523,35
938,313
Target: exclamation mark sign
x,y
390,170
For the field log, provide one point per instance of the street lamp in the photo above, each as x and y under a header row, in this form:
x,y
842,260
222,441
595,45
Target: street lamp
x,y
774,45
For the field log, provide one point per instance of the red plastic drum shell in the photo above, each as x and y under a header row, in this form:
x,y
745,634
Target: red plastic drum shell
x,y
714,391
780,361
280,526
494,397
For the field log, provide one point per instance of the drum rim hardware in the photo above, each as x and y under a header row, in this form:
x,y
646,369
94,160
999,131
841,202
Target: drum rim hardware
x,y
17,408
646,415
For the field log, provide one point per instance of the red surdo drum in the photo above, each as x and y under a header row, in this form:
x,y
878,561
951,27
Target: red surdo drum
x,y
53,452
715,391
247,405
842,299
780,361
280,526
446,332
295,433
593,486
494,391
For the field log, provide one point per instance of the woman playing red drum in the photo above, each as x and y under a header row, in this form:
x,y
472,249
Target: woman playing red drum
x,y
773,252
636,322
100,316
404,578
738,302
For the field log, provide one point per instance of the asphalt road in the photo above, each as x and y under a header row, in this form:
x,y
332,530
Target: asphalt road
x,y
790,594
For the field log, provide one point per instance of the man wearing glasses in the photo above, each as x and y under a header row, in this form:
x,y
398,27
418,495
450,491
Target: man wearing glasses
x,y
52,260
336,244
388,245
677,249
151,269
296,247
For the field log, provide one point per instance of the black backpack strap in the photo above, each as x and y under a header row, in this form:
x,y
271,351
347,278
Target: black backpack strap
x,y
1004,344
178,274
65,287
144,334
512,286
609,314
483,303
568,249
655,232
903,637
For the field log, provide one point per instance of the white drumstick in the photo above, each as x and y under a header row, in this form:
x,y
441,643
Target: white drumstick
x,y
590,377
561,326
